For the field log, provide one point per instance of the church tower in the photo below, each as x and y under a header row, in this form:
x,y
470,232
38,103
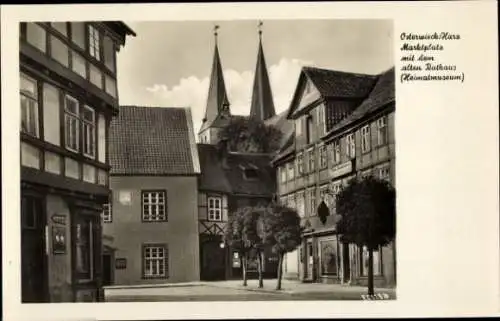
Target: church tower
x,y
262,105
217,101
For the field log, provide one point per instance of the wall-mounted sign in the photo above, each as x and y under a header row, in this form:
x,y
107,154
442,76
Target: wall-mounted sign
x,y
58,219
120,263
341,169
125,197
58,240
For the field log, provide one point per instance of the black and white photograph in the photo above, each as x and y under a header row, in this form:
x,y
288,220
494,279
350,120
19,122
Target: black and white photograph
x,y
235,160
239,160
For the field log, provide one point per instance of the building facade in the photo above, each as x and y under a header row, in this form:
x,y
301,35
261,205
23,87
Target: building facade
x,y
68,96
151,224
235,179
344,127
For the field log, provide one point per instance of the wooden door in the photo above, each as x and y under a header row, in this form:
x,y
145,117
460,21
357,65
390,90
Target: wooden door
x,y
33,256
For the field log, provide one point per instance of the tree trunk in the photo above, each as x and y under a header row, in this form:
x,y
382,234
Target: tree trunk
x,y
259,267
280,271
244,267
370,272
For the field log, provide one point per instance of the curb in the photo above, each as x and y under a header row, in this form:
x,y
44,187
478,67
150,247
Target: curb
x,y
277,292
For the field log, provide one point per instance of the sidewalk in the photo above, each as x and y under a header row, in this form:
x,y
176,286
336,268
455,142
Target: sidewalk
x,y
294,288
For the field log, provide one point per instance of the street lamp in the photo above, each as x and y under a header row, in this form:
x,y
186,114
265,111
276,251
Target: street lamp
x,y
222,245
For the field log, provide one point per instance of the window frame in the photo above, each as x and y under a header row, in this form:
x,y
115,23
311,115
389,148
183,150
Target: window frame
x,y
94,42
76,116
336,157
383,168
93,125
290,170
32,97
323,157
351,146
157,260
214,208
300,164
311,160
164,217
365,139
382,138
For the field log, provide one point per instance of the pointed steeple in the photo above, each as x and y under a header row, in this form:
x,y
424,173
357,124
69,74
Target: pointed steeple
x,y
262,106
217,100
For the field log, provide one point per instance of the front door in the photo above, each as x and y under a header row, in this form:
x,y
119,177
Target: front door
x,y
213,261
33,256
309,264
107,276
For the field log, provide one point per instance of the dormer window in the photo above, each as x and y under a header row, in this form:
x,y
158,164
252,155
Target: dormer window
x,y
249,171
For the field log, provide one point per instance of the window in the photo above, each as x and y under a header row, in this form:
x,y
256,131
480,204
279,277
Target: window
x,y
214,208
154,206
29,106
323,160
78,34
377,262
310,129
336,152
334,190
94,43
84,247
60,27
311,197
300,204
382,131
88,124
59,51
329,257
291,170
71,123
351,146
36,36
109,53
384,173
31,212
79,64
312,160
107,214
155,261
321,120
51,115
282,171
300,164
365,139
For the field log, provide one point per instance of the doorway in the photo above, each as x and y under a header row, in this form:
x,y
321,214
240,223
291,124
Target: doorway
x,y
107,267
33,256
213,260
309,264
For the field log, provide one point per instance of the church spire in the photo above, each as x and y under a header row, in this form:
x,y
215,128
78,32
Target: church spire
x,y
262,106
217,100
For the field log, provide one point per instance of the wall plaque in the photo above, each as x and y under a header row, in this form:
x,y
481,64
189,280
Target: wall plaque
x,y
58,240
120,263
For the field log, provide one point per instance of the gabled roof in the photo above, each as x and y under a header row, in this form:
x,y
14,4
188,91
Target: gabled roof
x,y
383,93
152,141
217,99
228,176
262,105
333,84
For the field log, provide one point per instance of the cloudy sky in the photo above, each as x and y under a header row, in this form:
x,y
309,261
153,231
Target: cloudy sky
x,y
168,63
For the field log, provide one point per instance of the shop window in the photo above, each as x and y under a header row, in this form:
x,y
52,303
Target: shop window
x,y
329,257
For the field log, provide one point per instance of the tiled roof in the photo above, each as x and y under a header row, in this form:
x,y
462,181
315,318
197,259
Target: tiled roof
x,y
339,84
228,176
152,141
382,94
